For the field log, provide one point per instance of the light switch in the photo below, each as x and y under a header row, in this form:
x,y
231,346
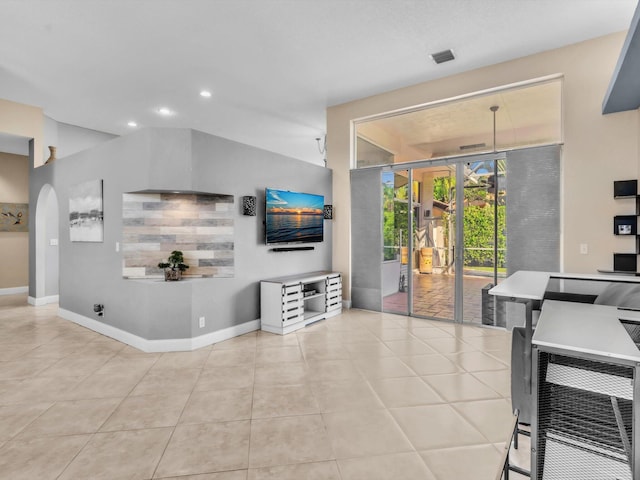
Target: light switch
x,y
584,249
53,242
117,246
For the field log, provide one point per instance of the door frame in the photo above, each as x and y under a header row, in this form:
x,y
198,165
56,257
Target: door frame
x,y
458,250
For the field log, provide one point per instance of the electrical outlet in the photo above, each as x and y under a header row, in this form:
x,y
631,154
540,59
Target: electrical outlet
x,y
117,246
201,322
584,248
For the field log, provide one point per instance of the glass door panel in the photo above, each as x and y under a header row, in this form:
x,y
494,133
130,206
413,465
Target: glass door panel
x,y
484,236
396,263
443,248
434,204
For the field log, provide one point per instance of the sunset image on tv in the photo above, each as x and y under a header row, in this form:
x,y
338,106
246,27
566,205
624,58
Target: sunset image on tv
x,y
294,217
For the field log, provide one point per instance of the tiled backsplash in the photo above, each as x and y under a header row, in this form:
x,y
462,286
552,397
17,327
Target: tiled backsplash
x,y
155,224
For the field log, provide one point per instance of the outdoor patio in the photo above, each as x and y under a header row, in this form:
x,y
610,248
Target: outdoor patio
x,y
434,297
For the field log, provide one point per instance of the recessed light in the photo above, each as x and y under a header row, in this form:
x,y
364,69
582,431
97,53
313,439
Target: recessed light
x,y
205,94
165,111
132,124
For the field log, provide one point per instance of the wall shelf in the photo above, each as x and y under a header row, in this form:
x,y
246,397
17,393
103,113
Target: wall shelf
x,y
625,189
626,225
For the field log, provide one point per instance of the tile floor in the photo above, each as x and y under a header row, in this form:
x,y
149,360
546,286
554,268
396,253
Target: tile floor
x,y
360,396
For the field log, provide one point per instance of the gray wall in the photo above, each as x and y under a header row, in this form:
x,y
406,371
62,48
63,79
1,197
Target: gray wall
x,y
73,139
176,159
366,239
33,232
49,137
533,209
227,167
52,253
70,139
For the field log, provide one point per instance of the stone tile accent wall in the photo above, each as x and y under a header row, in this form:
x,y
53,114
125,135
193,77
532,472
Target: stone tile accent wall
x,y
155,224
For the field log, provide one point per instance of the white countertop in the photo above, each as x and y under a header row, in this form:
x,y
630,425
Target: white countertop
x,y
532,285
523,284
586,328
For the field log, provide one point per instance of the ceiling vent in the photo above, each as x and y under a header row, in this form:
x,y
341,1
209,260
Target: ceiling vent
x,y
443,56
473,145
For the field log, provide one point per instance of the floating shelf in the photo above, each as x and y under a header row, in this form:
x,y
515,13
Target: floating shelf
x,y
626,225
625,188
625,262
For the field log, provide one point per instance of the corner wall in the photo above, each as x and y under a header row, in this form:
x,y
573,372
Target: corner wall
x,y
185,160
597,149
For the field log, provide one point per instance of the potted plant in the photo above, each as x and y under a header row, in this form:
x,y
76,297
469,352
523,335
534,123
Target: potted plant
x,y
174,266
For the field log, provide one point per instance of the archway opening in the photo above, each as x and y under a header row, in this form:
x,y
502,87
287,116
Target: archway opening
x,y
46,268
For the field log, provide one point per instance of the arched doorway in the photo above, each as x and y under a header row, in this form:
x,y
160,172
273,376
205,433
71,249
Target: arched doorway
x,y
46,266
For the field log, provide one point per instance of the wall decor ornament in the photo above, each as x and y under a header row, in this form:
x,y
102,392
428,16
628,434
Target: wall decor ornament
x,y
328,212
624,229
86,217
249,206
52,154
14,217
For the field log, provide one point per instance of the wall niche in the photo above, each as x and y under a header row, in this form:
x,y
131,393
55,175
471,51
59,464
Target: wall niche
x,y
155,224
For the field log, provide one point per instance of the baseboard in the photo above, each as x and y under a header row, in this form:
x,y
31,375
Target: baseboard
x,y
225,334
13,290
39,301
346,304
168,345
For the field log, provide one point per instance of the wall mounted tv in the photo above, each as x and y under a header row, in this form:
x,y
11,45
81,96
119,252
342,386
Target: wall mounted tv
x,y
293,217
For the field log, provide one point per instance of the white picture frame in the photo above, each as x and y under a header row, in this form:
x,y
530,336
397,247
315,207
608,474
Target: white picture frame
x,y
86,212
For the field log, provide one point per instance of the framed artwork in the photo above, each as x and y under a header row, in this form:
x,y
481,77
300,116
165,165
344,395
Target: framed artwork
x,y
14,217
86,218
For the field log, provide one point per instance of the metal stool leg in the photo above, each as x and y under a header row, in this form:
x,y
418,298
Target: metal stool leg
x,y
505,465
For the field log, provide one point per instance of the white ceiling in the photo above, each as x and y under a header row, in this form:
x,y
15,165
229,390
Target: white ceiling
x,y
274,66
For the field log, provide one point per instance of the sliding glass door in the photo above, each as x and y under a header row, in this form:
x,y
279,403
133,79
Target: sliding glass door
x,y
396,222
443,245
434,241
484,234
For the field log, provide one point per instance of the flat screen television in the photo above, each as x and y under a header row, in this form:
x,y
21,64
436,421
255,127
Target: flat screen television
x,y
293,217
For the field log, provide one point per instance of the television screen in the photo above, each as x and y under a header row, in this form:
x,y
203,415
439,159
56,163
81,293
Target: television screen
x,y
293,217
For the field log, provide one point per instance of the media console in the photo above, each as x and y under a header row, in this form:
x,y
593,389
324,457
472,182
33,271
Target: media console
x,y
293,302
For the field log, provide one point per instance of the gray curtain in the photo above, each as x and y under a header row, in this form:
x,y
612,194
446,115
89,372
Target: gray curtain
x,y
533,209
366,239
